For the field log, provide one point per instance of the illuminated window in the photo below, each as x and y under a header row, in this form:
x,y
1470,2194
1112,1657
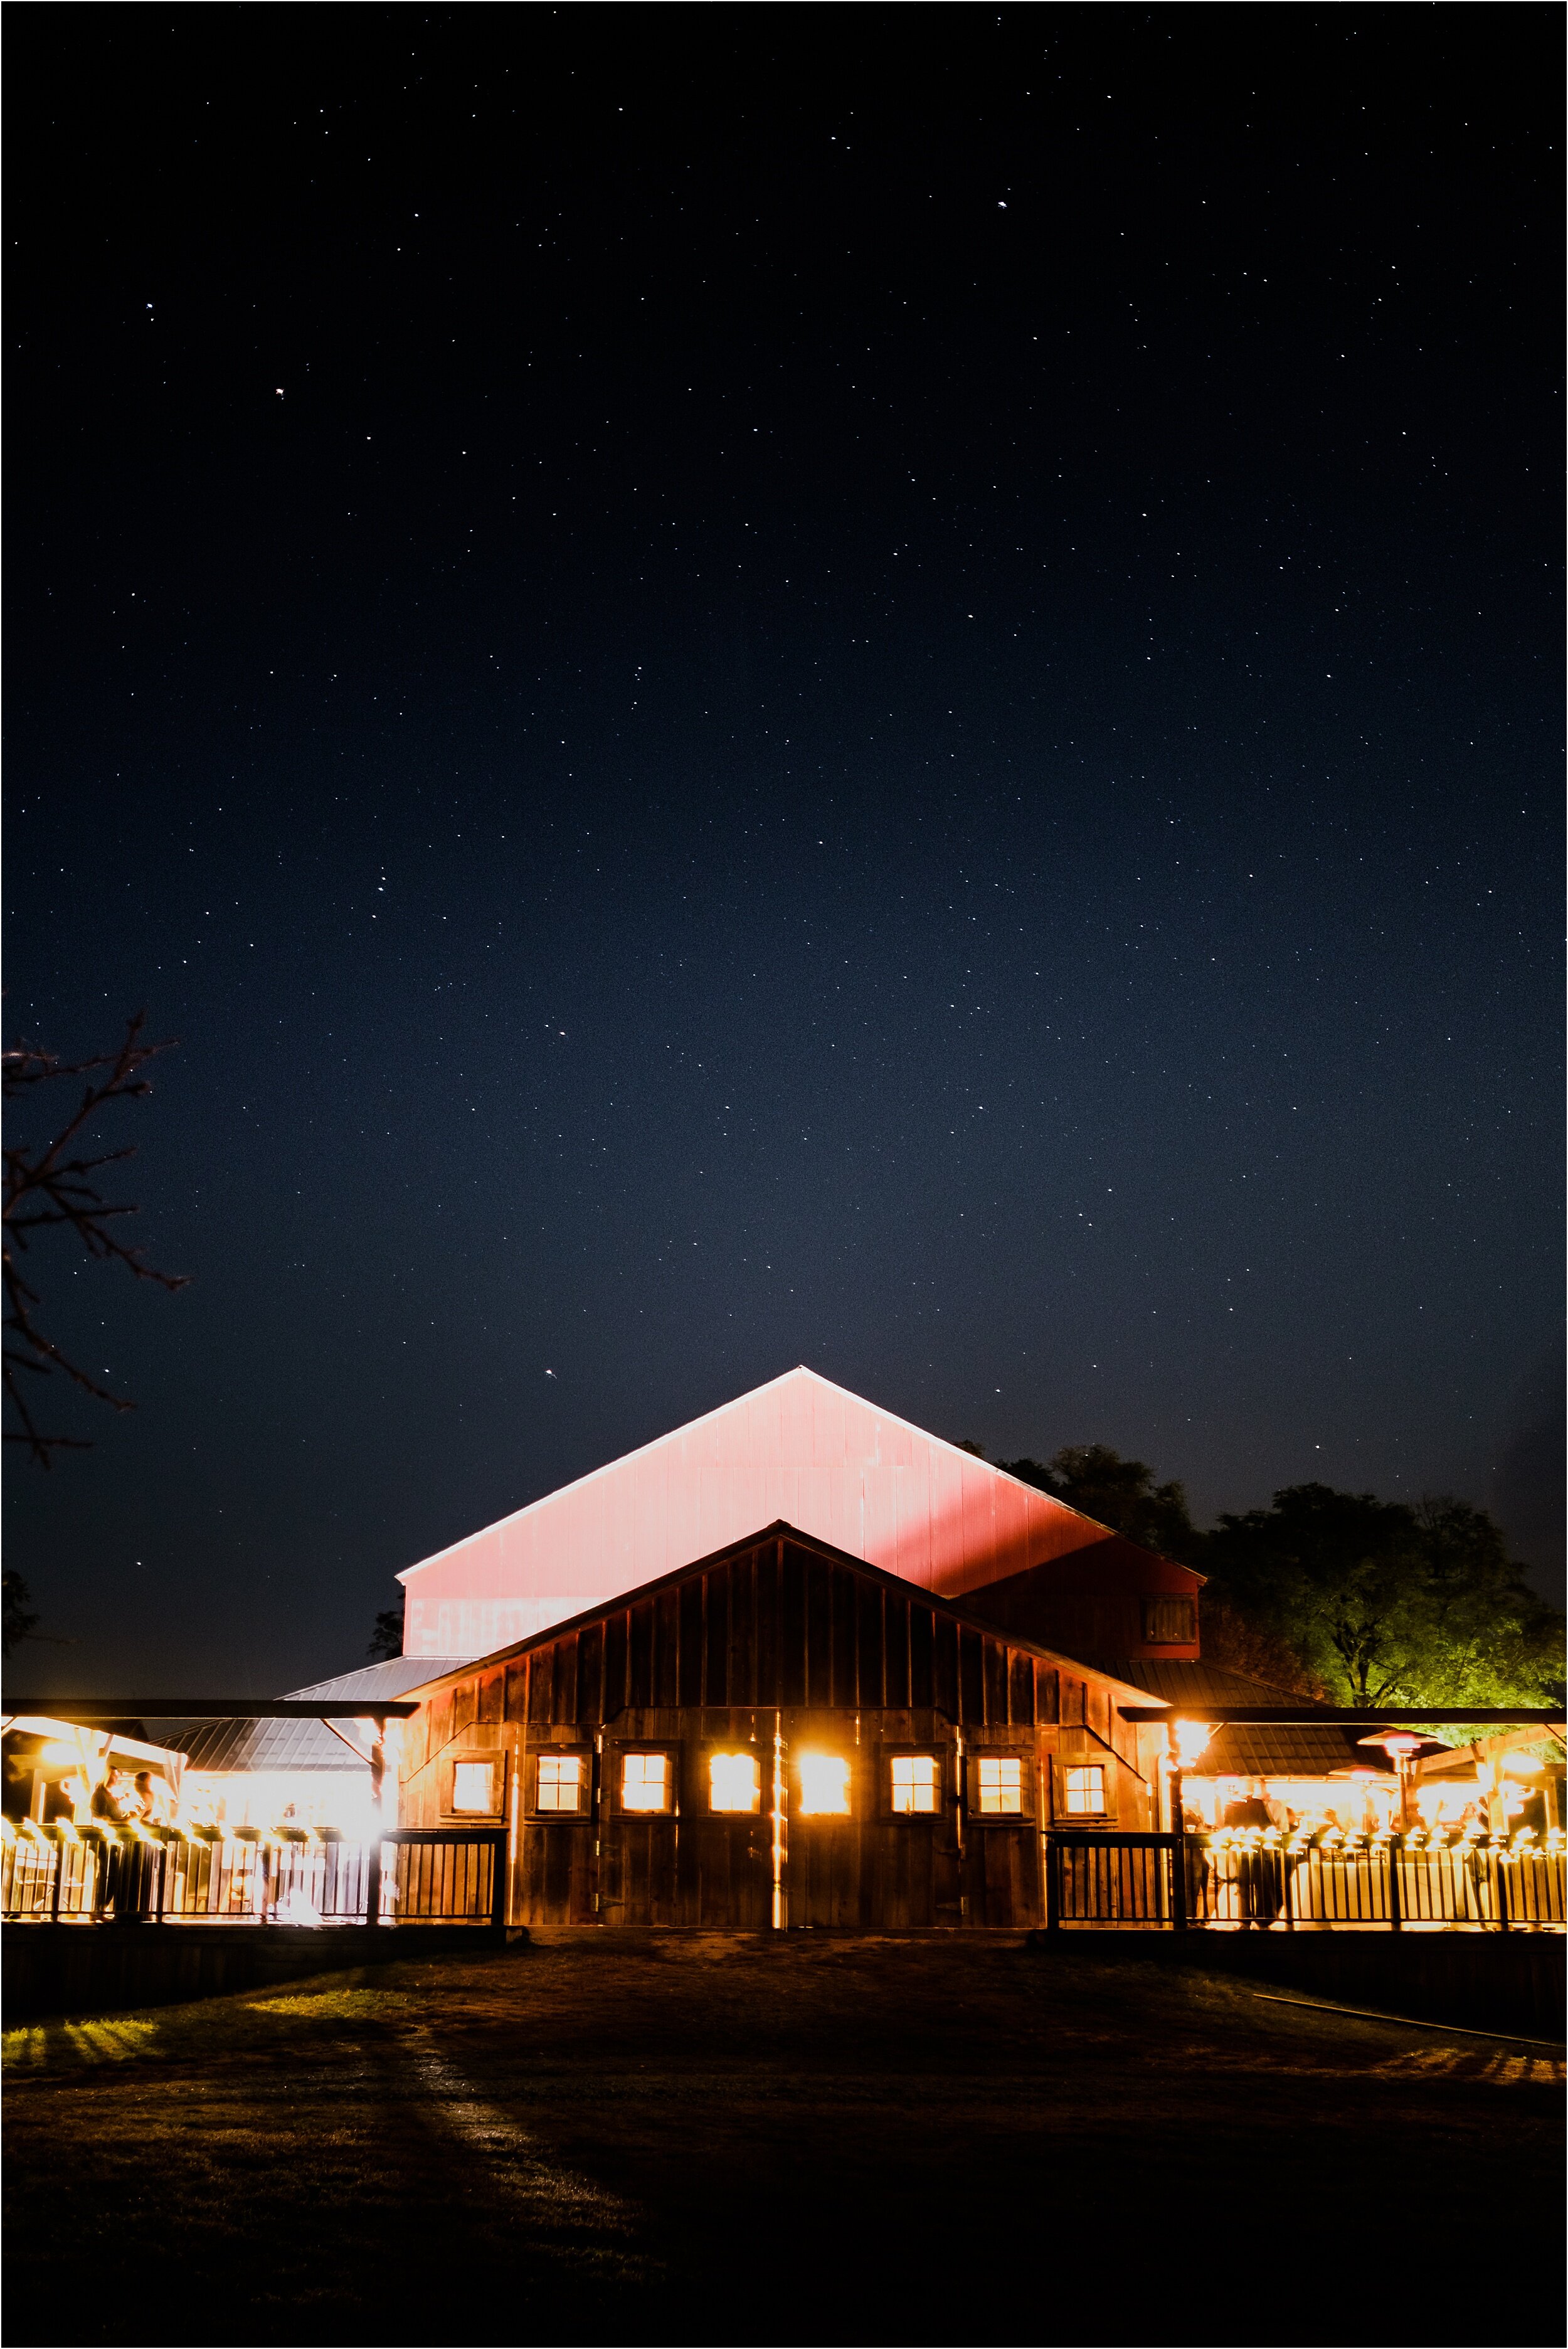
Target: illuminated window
x,y
1085,1790
560,1781
916,1782
824,1784
733,1784
999,1783
645,1781
1169,1622
473,1786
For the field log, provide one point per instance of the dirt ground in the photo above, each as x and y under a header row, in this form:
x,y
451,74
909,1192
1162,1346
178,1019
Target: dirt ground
x,y
733,2139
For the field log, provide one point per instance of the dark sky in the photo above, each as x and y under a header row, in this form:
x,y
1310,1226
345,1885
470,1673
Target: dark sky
x,y
871,687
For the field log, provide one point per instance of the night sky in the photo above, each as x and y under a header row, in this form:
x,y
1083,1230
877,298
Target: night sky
x,y
870,686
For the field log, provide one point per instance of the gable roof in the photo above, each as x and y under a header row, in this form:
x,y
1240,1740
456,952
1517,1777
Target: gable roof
x,y
798,1449
1121,1692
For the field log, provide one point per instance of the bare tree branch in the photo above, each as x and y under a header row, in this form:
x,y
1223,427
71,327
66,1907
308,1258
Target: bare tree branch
x,y
54,1186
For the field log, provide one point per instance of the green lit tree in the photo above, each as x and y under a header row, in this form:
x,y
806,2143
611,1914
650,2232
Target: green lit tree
x,y
1382,1603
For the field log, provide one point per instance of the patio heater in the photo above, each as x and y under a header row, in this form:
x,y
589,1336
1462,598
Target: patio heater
x,y
1401,1746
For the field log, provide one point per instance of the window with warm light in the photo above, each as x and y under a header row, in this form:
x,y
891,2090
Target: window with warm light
x,y
999,1783
645,1781
916,1782
473,1787
734,1783
824,1785
561,1780
1084,1789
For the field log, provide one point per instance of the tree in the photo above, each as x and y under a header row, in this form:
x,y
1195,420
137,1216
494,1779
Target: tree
x,y
387,1640
1117,1493
17,1619
54,1185
1383,1603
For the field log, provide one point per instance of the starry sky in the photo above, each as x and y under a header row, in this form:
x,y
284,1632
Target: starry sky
x,y
874,686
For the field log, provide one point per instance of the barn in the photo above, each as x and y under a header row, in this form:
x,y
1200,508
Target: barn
x,y
779,1733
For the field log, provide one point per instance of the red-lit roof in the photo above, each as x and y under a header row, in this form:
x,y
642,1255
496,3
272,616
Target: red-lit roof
x,y
799,1449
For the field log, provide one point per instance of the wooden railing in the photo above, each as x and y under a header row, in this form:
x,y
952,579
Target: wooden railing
x,y
99,1874
1223,1882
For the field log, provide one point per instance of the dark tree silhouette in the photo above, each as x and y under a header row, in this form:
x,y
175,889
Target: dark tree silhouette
x,y
387,1640
20,1622
55,1185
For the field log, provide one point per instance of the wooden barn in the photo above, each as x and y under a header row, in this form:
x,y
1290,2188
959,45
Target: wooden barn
x,y
777,1733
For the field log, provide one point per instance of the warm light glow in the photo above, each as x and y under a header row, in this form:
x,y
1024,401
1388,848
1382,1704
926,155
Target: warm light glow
x,y
560,1781
1521,1765
1000,1783
645,1782
1395,1742
57,1752
1192,1739
824,1784
916,1781
733,1783
473,1787
1085,1790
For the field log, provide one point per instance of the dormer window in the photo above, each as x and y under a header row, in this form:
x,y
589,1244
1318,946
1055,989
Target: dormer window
x,y
1169,1622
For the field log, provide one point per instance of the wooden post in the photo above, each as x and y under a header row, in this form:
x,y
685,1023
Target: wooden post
x,y
507,1860
1396,1913
373,1856
1053,1886
780,1912
1178,1838
499,1886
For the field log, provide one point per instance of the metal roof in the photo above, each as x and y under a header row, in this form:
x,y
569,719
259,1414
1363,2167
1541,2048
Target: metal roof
x,y
1280,1749
801,1450
1190,1682
1251,1750
302,1745
268,1745
394,1677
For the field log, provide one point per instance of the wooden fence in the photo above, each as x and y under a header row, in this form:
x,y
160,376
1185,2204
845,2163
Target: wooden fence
x,y
99,1875
1225,1882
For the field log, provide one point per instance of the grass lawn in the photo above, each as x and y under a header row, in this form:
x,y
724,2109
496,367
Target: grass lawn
x,y
727,2139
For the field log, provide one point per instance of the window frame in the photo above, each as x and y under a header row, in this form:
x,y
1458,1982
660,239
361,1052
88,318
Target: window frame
x,y
584,1754
940,1752
1028,1798
1108,1791
619,1754
494,1759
